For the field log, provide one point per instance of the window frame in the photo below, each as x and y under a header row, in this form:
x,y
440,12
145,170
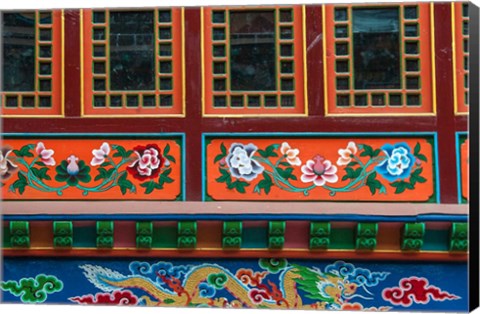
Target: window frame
x,y
177,74
460,91
300,109
57,61
425,57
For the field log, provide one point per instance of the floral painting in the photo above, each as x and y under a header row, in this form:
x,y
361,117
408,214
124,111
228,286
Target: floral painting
x,y
91,168
367,169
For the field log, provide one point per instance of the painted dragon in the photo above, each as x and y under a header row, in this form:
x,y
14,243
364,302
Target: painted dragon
x,y
201,285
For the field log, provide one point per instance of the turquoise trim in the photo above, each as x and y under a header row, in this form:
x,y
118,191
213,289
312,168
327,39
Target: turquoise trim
x,y
85,237
436,240
255,238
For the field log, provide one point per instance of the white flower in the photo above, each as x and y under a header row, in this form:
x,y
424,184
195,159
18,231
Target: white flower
x,y
7,167
99,155
241,163
346,154
45,154
291,155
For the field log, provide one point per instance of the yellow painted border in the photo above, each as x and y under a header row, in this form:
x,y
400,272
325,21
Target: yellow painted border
x,y
62,71
82,93
256,115
454,63
433,73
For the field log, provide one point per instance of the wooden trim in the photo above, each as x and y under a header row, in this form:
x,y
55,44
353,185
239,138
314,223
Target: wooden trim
x,y
186,208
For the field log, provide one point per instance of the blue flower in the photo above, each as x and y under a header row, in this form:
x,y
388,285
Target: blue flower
x,y
241,163
398,164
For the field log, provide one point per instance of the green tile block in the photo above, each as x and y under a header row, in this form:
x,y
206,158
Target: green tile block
x,y
187,228
276,228
62,242
20,242
366,243
414,230
459,231
19,228
232,228
144,242
320,229
276,242
319,243
144,228
410,244
62,228
367,230
187,242
230,243
105,228
105,242
459,245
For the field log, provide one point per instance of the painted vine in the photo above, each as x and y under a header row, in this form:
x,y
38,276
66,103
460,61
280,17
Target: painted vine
x,y
362,165
36,168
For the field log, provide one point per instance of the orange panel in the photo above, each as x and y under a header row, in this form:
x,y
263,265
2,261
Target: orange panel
x,y
93,169
327,169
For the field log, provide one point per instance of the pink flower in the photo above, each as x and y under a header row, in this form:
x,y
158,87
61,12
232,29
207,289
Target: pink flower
x,y
346,154
148,163
99,155
290,154
45,154
319,171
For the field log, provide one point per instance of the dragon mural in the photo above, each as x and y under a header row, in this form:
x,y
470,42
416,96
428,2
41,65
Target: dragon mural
x,y
279,285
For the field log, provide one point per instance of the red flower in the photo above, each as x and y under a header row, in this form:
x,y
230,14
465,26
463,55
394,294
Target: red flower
x,y
148,162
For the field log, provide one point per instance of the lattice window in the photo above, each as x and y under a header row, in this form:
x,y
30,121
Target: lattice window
x,y
32,64
254,61
133,63
378,59
460,33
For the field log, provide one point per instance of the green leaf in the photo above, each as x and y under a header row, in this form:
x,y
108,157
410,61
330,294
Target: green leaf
x,y
169,301
105,164
223,149
399,186
269,151
265,184
171,158
218,158
421,179
166,150
367,151
149,186
225,177
102,174
285,173
40,163
376,152
41,173
422,157
22,178
416,150
352,163
240,186
121,152
24,151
